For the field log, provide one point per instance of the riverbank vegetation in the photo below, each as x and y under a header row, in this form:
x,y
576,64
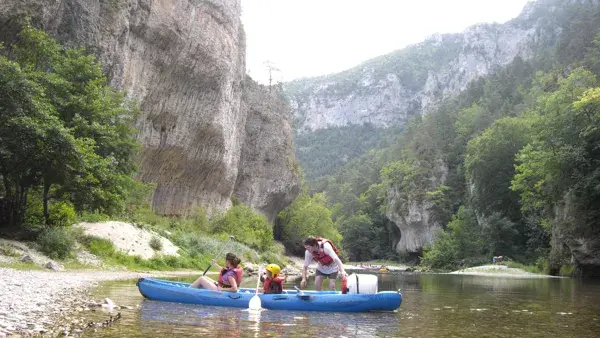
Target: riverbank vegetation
x,y
68,154
508,167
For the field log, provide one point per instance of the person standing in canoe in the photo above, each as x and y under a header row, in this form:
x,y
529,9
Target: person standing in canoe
x,y
328,263
230,277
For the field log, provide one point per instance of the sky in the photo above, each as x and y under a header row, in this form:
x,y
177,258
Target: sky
x,y
304,38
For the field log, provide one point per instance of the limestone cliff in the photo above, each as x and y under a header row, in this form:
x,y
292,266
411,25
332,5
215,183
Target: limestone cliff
x,y
269,176
416,216
184,61
575,236
389,89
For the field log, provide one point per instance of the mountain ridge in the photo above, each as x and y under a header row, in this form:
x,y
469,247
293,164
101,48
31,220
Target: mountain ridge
x,y
389,89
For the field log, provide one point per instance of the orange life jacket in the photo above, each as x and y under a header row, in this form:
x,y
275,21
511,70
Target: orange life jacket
x,y
238,277
321,256
273,285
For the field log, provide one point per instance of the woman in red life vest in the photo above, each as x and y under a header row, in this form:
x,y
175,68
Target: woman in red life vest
x,y
229,278
272,283
328,263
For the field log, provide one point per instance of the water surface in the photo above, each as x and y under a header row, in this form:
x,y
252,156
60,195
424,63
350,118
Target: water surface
x,y
434,305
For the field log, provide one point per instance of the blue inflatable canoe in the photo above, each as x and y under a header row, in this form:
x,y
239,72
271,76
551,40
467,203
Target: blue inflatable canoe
x,y
162,290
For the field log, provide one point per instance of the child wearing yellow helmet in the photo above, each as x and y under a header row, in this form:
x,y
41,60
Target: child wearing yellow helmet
x,y
272,282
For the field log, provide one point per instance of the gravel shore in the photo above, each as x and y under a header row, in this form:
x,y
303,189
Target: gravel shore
x,y
499,271
31,302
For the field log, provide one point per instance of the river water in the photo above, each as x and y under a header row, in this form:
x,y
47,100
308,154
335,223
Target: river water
x,y
434,305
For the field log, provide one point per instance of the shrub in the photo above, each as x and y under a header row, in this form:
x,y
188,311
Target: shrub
x,y
56,242
458,247
93,217
197,221
62,214
156,243
203,248
196,245
9,251
34,215
567,270
99,246
273,258
248,227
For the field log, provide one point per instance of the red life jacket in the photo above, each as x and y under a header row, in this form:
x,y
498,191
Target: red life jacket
x,y
273,285
238,277
321,256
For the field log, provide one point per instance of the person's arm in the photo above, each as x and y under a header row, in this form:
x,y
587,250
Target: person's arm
x,y
216,265
328,249
307,260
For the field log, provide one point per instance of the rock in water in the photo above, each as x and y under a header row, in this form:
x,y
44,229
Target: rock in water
x,y
109,303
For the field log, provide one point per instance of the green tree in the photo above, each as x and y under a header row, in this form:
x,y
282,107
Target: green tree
x,y
248,227
308,215
358,237
554,160
489,164
63,129
460,246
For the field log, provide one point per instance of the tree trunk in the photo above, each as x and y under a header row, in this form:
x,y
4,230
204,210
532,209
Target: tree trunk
x,y
19,205
7,218
46,213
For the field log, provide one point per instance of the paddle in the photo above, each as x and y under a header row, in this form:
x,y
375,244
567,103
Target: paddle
x,y
219,254
301,294
255,303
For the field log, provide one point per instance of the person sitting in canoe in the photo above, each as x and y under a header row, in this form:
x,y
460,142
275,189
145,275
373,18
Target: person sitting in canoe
x,y
328,263
229,278
272,283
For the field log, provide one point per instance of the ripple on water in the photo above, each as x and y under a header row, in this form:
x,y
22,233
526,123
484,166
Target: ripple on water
x,y
433,306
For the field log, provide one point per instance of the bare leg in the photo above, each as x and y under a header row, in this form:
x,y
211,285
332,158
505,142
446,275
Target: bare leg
x,y
319,283
205,282
332,284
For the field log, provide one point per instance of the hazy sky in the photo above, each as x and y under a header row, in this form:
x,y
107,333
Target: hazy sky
x,y
315,37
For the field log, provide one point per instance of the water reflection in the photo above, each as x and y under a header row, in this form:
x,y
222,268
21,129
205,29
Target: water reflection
x,y
433,306
265,323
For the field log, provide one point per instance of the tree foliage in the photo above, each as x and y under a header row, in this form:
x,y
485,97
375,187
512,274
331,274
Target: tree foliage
x,y
506,166
65,135
307,216
248,227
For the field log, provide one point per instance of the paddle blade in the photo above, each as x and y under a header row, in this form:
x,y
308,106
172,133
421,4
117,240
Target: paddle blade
x,y
255,303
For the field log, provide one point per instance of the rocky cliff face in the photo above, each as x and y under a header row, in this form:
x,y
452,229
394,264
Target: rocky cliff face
x,y
269,176
575,237
389,89
415,216
184,61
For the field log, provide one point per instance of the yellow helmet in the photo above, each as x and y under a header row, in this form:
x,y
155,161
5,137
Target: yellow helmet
x,y
274,269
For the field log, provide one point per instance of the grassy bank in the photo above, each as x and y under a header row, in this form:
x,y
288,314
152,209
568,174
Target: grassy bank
x,y
565,270
197,238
